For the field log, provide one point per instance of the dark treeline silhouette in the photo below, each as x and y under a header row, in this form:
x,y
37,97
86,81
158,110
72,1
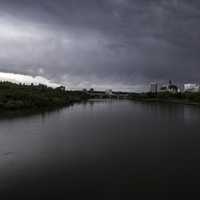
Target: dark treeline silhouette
x,y
20,96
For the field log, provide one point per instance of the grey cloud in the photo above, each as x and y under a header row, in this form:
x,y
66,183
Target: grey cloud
x,y
123,42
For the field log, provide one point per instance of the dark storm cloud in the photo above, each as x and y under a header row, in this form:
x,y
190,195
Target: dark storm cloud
x,y
101,42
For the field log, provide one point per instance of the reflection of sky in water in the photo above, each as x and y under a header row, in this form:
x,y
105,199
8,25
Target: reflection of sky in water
x,y
96,137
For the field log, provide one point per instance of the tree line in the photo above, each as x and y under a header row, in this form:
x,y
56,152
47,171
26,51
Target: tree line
x,y
193,97
21,96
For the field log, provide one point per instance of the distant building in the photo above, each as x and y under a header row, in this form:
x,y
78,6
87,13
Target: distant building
x,y
61,88
191,87
169,88
173,88
164,88
154,87
109,92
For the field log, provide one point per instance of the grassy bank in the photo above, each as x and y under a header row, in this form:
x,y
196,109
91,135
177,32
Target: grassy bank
x,y
167,97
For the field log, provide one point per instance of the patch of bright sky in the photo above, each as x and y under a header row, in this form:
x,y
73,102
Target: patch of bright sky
x,y
18,78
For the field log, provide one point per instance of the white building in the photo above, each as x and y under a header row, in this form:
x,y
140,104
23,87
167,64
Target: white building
x,y
109,92
191,87
154,87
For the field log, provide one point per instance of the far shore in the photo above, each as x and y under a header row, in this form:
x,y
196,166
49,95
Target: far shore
x,y
14,97
171,101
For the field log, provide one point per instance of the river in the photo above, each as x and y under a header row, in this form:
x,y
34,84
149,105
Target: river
x,y
101,150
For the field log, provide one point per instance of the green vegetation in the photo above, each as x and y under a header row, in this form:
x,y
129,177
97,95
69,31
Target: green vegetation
x,y
37,97
18,96
186,97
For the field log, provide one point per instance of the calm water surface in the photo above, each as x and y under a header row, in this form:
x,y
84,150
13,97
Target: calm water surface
x,y
102,150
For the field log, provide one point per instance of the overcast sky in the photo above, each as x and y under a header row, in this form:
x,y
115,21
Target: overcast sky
x,y
120,44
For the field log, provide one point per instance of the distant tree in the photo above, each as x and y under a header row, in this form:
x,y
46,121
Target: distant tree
x,y
21,96
91,90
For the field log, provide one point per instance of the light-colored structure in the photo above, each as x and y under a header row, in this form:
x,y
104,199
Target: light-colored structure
x,y
154,87
164,88
109,92
169,88
173,88
191,87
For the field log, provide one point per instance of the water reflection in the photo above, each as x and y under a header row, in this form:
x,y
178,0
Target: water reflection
x,y
109,148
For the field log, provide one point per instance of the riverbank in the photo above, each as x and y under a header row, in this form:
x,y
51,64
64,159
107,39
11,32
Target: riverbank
x,y
15,97
181,98
174,101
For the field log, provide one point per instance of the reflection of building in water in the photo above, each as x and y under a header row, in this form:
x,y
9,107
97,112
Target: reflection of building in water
x,y
191,87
